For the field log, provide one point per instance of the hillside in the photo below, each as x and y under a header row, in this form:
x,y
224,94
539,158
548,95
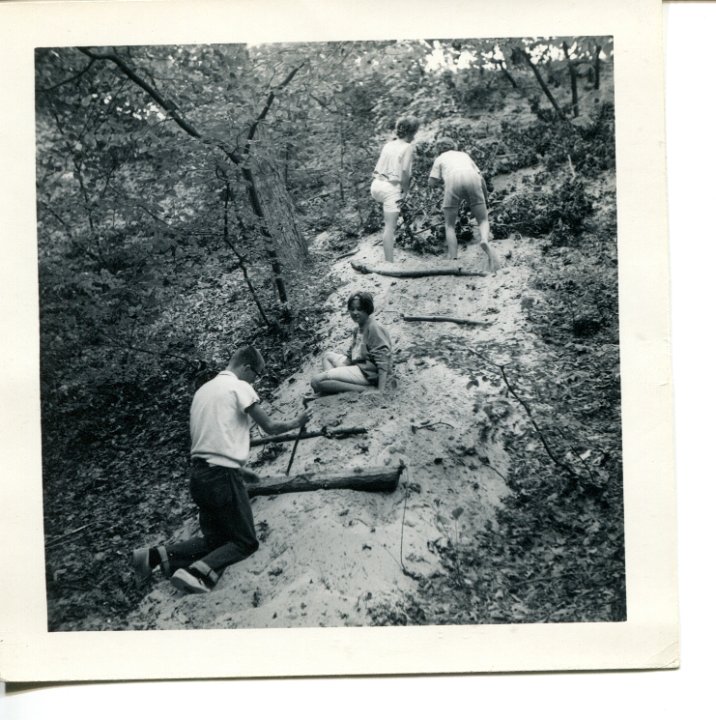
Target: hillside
x,y
342,557
509,506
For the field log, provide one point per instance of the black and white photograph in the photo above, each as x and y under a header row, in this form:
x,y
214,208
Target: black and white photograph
x,y
405,251
329,334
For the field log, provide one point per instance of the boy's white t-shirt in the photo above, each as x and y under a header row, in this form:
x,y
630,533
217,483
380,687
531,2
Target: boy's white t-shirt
x,y
452,166
220,427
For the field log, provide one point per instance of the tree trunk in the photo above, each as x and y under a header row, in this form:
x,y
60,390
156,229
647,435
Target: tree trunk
x,y
256,206
572,80
238,156
367,479
522,53
279,215
507,73
597,67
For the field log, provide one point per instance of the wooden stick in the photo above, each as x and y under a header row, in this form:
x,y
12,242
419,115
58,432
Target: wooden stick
x,y
300,435
295,446
56,542
346,255
445,318
366,479
336,433
366,269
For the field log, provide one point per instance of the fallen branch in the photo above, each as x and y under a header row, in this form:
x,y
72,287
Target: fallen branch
x,y
158,353
336,433
367,479
427,425
445,318
526,407
485,463
56,542
346,255
367,269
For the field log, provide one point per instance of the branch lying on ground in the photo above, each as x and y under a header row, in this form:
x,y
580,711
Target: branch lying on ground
x,y
367,269
336,433
427,425
526,407
346,255
445,318
158,353
366,479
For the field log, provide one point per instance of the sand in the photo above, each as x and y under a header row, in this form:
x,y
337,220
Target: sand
x,y
344,557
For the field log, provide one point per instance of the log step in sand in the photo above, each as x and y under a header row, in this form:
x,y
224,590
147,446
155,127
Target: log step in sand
x,y
366,479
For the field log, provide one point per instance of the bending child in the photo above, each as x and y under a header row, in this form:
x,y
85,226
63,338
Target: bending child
x,y
463,181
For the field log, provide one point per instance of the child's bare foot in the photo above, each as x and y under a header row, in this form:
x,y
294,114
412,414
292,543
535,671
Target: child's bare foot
x,y
493,262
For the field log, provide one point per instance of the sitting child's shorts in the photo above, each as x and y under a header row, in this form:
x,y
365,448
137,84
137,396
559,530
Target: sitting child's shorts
x,y
387,193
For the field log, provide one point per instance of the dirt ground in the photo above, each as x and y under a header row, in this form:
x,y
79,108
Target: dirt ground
x,y
341,557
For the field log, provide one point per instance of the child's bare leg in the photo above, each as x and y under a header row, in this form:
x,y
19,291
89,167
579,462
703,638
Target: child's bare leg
x,y
332,359
339,380
450,236
480,214
331,387
391,222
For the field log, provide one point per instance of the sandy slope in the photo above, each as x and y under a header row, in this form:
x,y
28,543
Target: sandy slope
x,y
327,558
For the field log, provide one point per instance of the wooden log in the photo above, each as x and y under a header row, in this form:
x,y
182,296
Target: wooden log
x,y
429,272
366,479
329,433
445,318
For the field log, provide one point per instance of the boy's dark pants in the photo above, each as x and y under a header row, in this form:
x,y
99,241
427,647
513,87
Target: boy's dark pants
x,y
225,518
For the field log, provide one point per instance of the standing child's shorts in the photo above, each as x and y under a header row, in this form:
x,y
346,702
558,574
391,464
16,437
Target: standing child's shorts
x,y
468,187
386,192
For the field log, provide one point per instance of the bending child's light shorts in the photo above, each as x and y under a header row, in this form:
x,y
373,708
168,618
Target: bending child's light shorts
x,y
386,192
470,188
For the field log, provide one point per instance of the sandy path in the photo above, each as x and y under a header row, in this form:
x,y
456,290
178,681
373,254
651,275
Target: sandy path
x,y
327,558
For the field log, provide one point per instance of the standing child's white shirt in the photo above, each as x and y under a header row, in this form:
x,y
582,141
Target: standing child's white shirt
x,y
395,158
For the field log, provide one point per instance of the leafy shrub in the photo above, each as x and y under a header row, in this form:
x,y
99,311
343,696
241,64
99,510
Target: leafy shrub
x,y
561,212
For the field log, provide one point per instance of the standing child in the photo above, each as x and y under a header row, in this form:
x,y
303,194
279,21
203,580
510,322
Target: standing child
x,y
391,177
463,181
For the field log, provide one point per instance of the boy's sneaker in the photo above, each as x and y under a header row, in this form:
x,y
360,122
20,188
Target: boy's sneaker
x,y
184,580
140,564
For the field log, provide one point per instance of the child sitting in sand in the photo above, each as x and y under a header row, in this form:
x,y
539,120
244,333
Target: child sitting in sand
x,y
367,365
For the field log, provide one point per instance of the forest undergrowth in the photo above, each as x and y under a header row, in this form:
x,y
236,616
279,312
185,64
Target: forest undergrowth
x,y
116,448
